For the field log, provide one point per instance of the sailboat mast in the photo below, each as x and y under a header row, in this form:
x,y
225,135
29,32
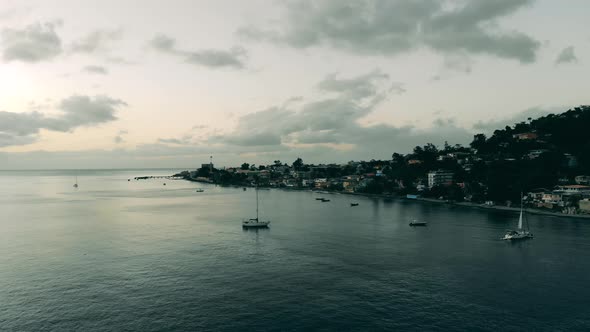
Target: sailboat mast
x,y
520,218
256,202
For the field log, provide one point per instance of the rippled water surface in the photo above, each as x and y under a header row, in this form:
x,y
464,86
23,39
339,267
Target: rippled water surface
x,y
118,255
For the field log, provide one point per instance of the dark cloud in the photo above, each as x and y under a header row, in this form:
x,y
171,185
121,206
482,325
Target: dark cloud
x,y
75,111
97,40
96,70
356,88
567,55
11,140
232,58
333,124
389,27
34,43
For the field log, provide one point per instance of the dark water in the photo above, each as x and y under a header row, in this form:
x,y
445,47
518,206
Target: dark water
x,y
139,256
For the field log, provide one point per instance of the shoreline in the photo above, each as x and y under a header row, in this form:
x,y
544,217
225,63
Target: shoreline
x,y
424,200
502,208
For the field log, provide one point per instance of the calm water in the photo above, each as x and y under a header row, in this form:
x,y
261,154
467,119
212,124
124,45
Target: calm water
x,y
115,255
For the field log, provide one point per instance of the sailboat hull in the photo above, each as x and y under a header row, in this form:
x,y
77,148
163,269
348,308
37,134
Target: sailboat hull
x,y
518,236
255,224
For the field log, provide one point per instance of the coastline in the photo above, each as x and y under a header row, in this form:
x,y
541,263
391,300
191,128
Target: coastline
x,y
458,204
427,200
502,208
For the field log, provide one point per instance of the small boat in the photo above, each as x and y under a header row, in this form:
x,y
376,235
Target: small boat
x,y
76,183
354,204
200,190
418,223
164,183
319,199
520,233
325,200
244,188
255,222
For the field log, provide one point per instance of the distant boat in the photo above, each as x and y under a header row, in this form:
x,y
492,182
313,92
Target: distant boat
x,y
164,183
319,199
520,233
418,223
354,204
200,190
255,222
76,183
325,200
244,188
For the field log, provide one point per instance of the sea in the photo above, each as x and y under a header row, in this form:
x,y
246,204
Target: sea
x,y
118,254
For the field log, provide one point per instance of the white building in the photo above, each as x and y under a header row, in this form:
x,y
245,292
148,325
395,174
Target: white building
x,y
440,177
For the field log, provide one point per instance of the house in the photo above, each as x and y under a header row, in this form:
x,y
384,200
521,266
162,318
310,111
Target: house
x,y
582,179
553,197
525,136
439,177
574,188
349,185
321,183
584,205
536,153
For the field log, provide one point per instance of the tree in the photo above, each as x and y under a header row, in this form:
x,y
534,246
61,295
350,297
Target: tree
x,y
245,166
479,142
397,158
297,164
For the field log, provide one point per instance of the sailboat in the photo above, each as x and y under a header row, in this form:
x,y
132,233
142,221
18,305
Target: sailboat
x,y
76,183
521,232
255,222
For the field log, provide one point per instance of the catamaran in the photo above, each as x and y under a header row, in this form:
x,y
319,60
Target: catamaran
x,y
521,232
255,222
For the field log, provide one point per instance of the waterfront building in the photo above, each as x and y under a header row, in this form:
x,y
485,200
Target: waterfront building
x,y
439,177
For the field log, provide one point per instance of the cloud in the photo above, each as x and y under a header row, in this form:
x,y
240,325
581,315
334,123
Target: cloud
x,y
170,141
356,88
391,27
95,41
75,111
458,62
332,124
567,55
96,70
34,43
232,58
119,138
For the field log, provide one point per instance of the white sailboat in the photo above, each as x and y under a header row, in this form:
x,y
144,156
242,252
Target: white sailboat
x,y
520,233
255,222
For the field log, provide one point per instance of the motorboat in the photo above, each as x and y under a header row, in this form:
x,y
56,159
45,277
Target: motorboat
x,y
418,223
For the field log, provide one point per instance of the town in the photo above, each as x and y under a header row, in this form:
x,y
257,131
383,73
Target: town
x,y
545,161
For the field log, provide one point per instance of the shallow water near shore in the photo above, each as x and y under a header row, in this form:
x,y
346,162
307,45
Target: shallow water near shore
x,y
118,255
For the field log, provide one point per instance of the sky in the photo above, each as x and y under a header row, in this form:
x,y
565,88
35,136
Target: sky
x,y
130,83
